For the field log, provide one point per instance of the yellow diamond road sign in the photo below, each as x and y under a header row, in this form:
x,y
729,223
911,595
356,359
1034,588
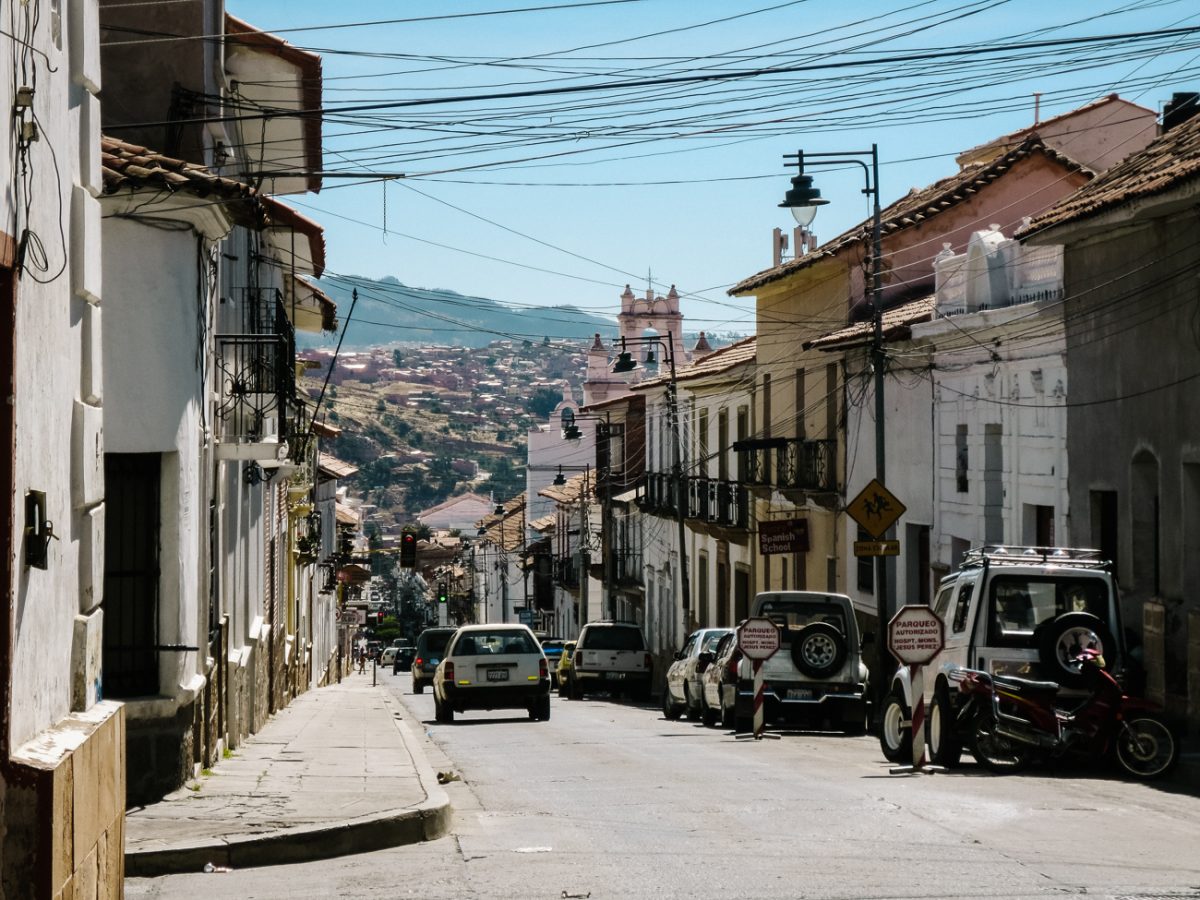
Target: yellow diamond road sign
x,y
876,509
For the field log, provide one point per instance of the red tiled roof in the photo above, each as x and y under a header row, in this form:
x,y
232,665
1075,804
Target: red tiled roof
x,y
1015,137
124,165
331,465
1167,162
916,207
718,361
896,323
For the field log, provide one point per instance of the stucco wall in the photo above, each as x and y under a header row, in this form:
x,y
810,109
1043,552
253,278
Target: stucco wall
x,y
1131,345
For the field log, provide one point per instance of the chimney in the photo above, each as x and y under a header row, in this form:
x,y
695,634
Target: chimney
x,y
1180,108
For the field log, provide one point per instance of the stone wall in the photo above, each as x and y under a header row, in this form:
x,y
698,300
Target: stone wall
x,y
71,777
160,749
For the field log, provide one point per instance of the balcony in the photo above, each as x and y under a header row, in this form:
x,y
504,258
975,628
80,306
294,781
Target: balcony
x,y
257,379
788,464
627,568
715,502
566,572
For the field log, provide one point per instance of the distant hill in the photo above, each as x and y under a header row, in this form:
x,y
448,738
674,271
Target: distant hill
x,y
389,312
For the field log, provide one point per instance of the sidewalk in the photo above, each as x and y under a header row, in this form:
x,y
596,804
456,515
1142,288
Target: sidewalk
x,y
338,771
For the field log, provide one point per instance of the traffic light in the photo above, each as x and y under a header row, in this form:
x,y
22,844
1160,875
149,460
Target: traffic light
x,y
442,593
408,550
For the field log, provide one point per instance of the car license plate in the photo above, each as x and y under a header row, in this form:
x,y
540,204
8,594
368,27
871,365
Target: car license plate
x,y
614,675
497,674
799,694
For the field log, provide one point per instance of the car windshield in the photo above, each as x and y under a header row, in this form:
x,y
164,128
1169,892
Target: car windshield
x,y
494,643
1018,604
711,641
435,643
796,614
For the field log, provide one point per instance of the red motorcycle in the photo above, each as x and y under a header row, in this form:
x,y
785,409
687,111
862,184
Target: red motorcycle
x,y
1008,722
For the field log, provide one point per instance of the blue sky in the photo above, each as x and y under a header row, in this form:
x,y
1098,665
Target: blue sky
x,y
565,198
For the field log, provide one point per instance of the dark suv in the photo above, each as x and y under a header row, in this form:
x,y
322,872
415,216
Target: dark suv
x,y
431,646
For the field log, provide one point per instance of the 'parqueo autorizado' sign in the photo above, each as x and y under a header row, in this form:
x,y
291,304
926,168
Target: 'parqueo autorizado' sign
x,y
916,635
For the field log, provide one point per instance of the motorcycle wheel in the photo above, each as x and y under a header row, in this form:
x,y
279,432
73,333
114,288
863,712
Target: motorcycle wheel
x,y
996,753
1146,747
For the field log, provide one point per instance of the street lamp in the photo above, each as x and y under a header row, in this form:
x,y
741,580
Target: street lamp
x,y
626,363
803,200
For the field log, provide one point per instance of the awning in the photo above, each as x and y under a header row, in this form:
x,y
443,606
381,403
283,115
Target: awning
x,y
332,467
309,308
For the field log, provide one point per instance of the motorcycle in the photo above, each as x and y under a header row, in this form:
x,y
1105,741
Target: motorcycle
x,y
1009,722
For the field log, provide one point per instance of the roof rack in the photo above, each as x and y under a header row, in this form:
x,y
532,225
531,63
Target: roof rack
x,y
1011,555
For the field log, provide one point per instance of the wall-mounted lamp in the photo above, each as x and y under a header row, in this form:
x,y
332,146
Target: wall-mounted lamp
x,y
256,474
38,531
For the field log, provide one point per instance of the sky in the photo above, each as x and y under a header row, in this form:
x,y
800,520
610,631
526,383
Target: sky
x,y
566,196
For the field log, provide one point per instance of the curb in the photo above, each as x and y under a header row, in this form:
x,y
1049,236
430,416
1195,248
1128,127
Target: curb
x,y
427,821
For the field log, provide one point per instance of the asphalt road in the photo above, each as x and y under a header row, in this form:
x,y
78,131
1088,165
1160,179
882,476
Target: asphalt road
x,y
609,799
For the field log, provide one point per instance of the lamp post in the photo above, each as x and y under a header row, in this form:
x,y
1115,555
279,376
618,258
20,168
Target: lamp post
x,y
604,431
626,363
803,200
584,556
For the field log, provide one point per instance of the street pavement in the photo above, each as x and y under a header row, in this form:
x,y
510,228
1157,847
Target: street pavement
x,y
341,770
338,771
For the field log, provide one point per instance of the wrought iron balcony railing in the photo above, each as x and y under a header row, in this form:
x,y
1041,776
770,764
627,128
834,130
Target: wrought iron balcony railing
x,y
723,503
788,464
627,567
257,371
566,572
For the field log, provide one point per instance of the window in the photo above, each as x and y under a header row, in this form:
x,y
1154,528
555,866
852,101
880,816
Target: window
x,y
1018,604
702,444
960,459
962,611
941,605
702,590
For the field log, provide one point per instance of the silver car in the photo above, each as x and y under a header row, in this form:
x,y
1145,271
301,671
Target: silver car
x,y
684,690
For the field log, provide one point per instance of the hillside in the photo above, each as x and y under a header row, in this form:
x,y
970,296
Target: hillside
x,y
426,423
389,312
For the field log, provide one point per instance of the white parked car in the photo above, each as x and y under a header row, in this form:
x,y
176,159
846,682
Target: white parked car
x,y
683,692
388,656
494,666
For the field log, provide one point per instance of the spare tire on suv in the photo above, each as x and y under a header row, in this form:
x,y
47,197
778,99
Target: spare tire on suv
x,y
819,650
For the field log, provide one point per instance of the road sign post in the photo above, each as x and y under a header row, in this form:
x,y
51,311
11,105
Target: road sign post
x,y
916,635
758,639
